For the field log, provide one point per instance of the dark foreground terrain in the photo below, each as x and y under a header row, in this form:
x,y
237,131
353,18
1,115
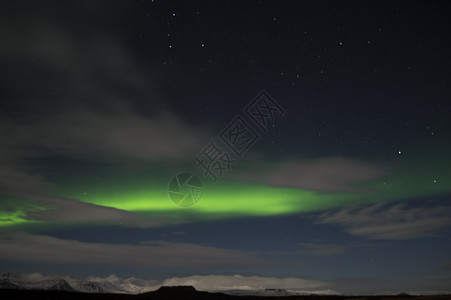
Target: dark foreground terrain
x,y
183,293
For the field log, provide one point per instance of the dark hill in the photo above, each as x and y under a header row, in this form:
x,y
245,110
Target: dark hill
x,y
176,289
183,292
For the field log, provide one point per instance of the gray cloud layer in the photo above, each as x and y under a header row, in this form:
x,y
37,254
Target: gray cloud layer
x,y
23,247
384,221
329,174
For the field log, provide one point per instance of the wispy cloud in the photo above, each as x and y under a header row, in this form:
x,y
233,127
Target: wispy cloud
x,y
24,247
446,265
321,249
329,174
112,136
85,110
387,221
70,211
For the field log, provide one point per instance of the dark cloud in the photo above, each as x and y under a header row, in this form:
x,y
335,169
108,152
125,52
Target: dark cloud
x,y
108,136
70,92
25,247
321,249
91,109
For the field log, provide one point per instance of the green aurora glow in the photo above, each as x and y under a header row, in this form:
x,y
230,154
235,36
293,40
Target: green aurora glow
x,y
147,196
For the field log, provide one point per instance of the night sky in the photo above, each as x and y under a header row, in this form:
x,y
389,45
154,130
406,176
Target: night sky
x,y
337,175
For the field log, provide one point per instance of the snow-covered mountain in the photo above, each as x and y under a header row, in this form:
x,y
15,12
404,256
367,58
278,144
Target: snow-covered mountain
x,y
278,292
111,284
114,284
33,281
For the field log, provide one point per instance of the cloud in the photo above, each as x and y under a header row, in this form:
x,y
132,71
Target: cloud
x,y
321,249
66,210
24,247
385,221
106,136
42,208
330,174
15,179
446,265
84,55
316,249
80,99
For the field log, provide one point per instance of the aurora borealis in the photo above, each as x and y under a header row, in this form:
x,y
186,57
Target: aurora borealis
x,y
148,196
347,190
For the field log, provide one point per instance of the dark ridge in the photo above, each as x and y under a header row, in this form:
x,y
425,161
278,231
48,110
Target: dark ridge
x,y
175,293
176,289
182,292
